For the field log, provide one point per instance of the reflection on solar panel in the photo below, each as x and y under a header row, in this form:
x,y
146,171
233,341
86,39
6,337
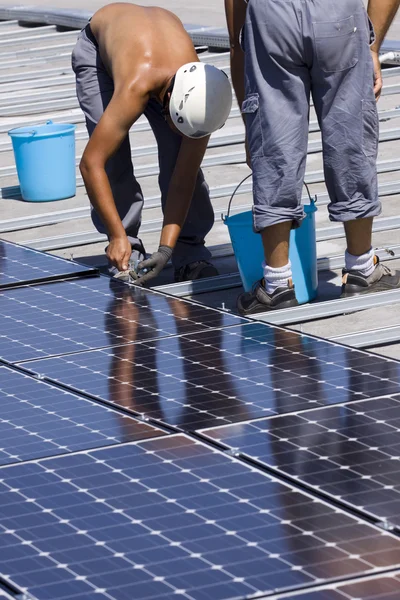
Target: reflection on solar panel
x,y
79,315
385,587
38,420
20,265
172,517
351,453
225,375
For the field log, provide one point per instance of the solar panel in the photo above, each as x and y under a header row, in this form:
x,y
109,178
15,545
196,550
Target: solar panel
x,y
385,587
37,420
351,453
71,316
224,376
172,517
19,265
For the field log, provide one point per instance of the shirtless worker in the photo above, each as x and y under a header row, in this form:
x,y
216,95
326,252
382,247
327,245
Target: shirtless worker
x,y
129,61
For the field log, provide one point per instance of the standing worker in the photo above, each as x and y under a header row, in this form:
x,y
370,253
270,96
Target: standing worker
x,y
132,60
293,48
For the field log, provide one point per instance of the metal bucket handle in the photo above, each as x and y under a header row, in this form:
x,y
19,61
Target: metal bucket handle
x,y
233,195
312,200
34,131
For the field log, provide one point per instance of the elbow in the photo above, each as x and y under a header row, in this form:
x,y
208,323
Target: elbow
x,y
87,167
83,166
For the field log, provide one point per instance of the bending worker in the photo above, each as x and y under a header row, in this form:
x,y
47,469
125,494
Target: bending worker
x,y
293,48
132,60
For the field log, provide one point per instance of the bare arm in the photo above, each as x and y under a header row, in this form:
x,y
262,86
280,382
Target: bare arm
x,y
123,110
381,13
235,16
181,188
180,193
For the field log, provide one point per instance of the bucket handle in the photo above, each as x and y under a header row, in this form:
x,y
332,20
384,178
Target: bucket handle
x,y
312,200
34,131
233,195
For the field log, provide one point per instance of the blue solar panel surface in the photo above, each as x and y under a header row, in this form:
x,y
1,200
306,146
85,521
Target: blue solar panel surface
x,y
351,453
37,420
224,376
171,517
63,317
19,265
385,587
122,510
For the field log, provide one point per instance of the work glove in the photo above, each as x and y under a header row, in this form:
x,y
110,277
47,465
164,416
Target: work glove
x,y
151,267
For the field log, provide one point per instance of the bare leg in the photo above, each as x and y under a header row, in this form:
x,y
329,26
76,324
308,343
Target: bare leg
x,y
276,244
358,235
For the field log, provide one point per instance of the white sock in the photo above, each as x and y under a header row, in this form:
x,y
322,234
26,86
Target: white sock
x,y
275,278
364,263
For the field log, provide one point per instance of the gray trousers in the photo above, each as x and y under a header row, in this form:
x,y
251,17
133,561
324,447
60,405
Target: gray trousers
x,y
295,48
95,88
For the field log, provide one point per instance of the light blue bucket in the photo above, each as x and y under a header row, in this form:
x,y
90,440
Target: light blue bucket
x,y
249,252
45,160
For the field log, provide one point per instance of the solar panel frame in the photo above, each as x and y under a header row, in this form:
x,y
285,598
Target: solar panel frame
x,y
124,503
39,420
44,267
350,454
5,596
222,376
370,588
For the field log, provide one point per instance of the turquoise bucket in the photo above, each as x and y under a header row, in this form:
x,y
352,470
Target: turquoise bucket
x,y
45,160
249,252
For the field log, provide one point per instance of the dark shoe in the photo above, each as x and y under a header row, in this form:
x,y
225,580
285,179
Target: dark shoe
x,y
258,300
195,270
381,279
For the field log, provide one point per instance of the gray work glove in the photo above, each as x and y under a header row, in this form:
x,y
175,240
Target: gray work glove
x,y
151,267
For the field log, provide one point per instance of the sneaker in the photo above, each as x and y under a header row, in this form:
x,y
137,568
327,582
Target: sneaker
x,y
195,270
381,279
258,300
136,257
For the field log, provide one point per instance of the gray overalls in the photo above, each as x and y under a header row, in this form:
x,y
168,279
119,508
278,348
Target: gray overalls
x,y
295,48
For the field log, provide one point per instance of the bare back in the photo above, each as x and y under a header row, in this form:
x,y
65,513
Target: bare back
x,y
141,44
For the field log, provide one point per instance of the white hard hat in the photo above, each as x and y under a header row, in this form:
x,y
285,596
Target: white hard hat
x,y
201,99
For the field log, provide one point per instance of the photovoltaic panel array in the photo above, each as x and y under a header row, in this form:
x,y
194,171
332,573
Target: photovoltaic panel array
x,y
170,518
38,420
120,508
19,266
385,587
350,453
224,376
63,317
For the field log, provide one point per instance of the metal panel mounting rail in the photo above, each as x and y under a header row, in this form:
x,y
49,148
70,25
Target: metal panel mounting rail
x,y
319,310
369,338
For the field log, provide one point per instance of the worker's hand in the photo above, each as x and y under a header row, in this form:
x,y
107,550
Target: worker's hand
x,y
377,75
150,268
119,252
